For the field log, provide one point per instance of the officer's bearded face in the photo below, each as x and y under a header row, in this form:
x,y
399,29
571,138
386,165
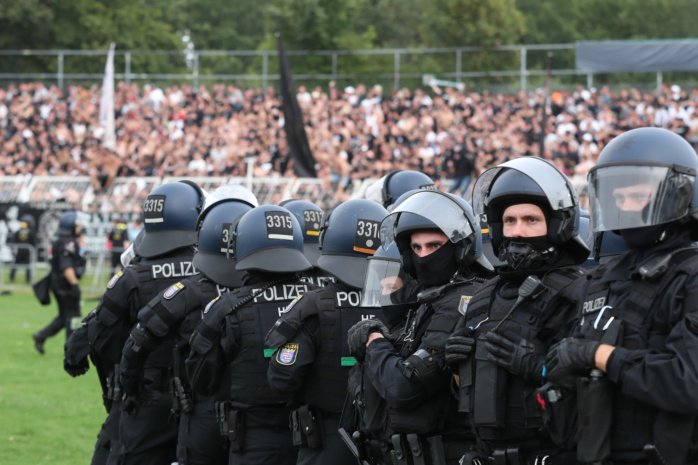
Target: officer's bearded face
x,y
633,198
524,220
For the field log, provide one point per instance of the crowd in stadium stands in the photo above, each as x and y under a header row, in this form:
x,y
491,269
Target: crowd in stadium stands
x,y
354,132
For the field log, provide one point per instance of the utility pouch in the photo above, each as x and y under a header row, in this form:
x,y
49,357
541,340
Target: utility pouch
x,y
221,409
295,427
311,426
489,393
236,430
595,406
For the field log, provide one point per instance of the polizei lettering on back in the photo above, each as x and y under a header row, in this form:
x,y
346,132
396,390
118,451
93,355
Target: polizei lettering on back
x,y
173,270
281,292
348,299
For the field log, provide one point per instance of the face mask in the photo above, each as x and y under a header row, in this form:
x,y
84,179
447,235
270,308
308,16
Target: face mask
x,y
641,238
436,268
527,253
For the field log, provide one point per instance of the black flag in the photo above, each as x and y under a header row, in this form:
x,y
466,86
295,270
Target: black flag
x,y
304,162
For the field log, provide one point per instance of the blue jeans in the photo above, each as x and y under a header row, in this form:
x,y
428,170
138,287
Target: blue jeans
x,y
461,184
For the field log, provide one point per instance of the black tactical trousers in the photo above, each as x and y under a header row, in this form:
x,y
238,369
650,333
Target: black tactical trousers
x,y
68,309
146,436
108,436
199,441
334,450
266,445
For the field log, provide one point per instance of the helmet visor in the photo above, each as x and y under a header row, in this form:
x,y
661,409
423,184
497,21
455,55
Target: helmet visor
x,y
544,174
387,284
445,213
374,192
625,196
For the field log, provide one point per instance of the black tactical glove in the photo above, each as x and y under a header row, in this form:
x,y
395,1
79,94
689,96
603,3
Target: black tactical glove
x,y
570,357
516,354
458,348
358,335
75,350
76,369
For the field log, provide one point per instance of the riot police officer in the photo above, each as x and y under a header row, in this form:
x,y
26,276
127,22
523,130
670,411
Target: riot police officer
x,y
390,187
532,212
173,315
142,433
394,291
634,354
312,358
268,245
67,267
309,216
25,237
440,245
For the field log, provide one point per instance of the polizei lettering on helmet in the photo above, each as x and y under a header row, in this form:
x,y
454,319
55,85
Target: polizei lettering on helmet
x,y
281,292
173,270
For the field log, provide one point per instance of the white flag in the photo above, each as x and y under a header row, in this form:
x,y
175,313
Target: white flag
x,y
106,105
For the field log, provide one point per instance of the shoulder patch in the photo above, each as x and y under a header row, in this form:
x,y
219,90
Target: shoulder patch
x,y
463,305
114,279
290,306
210,304
287,354
173,290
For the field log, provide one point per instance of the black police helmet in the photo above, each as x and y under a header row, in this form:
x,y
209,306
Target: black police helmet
x,y
170,214
536,181
391,186
309,216
269,238
67,224
213,256
438,211
660,161
349,233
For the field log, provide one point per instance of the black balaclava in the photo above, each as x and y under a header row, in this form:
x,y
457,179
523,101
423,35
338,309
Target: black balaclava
x,y
436,268
644,236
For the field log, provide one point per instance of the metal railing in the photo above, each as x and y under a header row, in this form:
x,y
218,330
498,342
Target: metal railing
x,y
399,59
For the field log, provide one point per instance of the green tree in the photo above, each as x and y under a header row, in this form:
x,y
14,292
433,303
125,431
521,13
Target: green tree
x,y
85,25
479,23
396,22
216,25
317,25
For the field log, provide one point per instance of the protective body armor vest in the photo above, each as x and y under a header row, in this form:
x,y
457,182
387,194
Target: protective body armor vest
x,y
429,327
126,293
503,407
337,307
250,324
632,304
180,308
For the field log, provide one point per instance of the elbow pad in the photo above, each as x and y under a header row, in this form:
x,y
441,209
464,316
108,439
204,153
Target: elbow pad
x,y
425,367
143,339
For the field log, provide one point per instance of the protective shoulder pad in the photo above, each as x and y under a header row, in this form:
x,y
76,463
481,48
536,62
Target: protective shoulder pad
x,y
291,320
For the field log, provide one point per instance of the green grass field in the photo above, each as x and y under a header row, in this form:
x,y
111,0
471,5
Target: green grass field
x,y
45,415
